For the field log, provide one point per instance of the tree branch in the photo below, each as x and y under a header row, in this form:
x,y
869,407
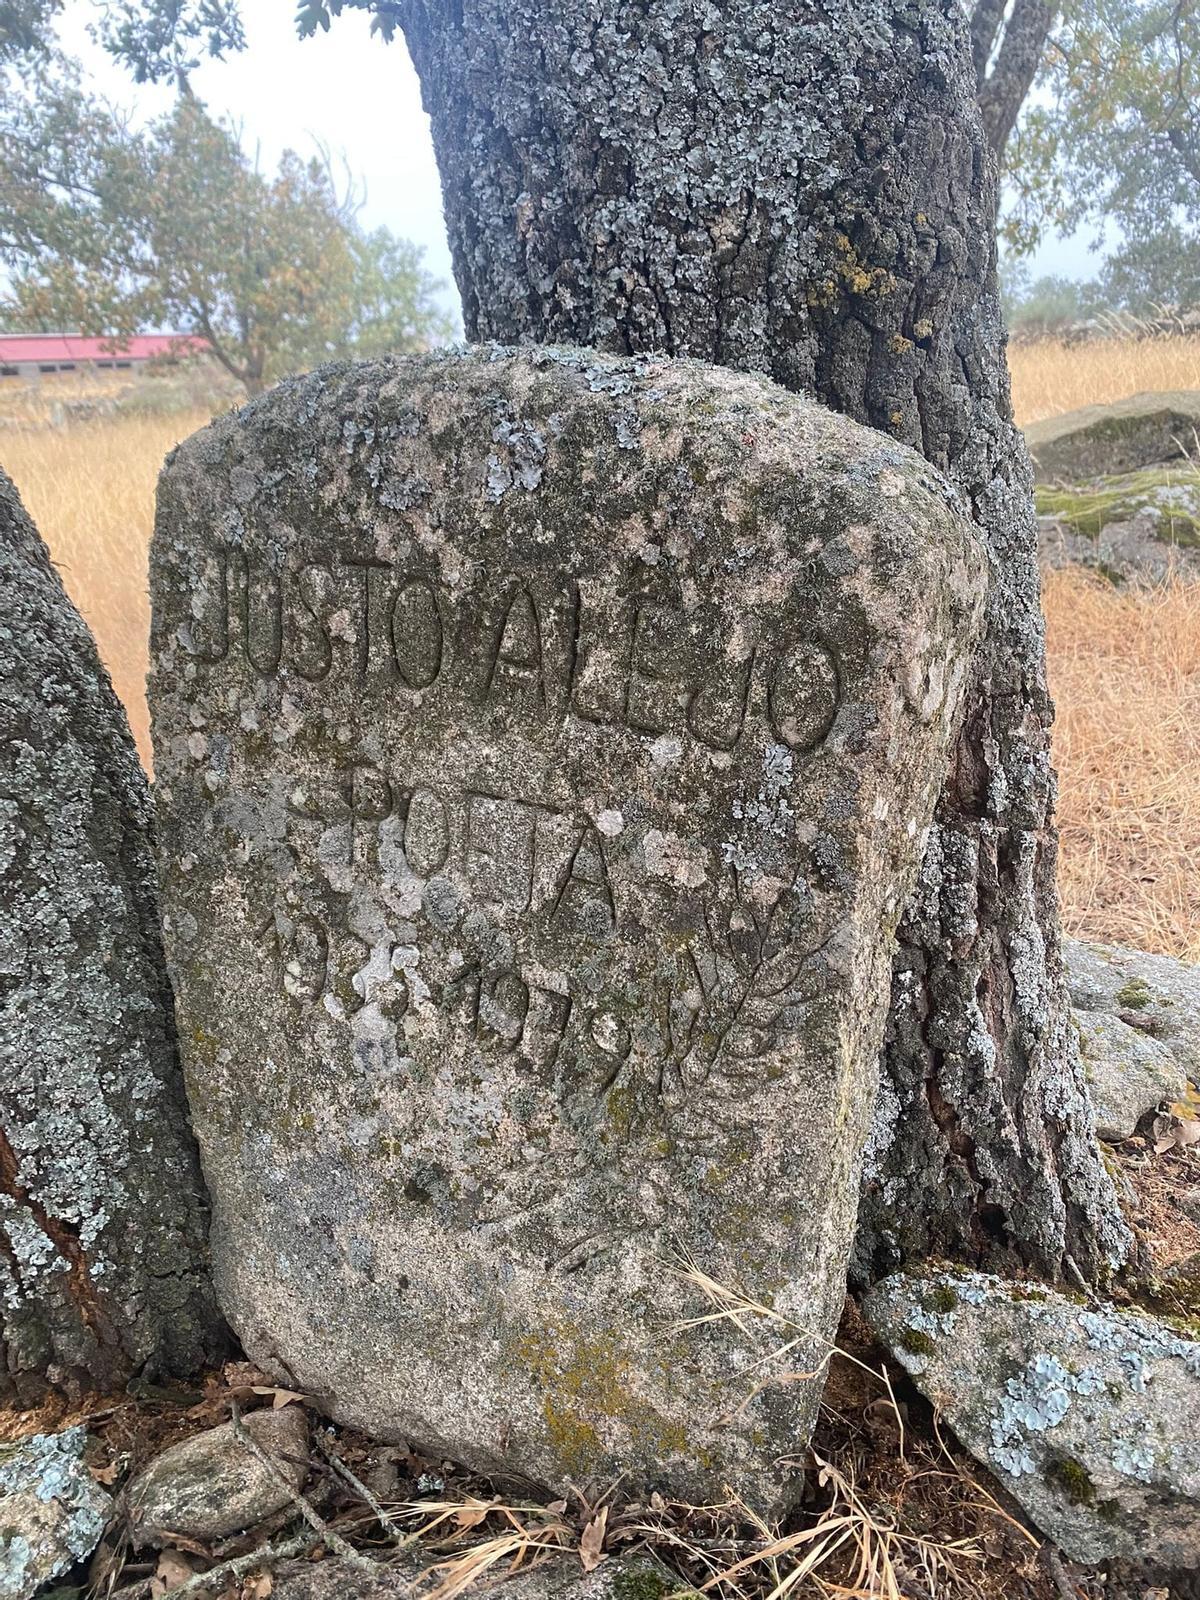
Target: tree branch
x,y
1003,93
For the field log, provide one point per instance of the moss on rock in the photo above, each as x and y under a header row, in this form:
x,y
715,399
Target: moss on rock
x,y
1168,497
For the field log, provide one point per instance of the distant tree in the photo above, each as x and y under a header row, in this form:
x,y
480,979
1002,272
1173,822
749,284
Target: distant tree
x,y
111,230
1047,304
1146,274
1114,141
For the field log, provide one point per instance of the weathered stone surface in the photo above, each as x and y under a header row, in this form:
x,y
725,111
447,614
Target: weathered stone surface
x,y
213,1485
102,1215
1128,1072
686,189
1138,1017
1119,437
1155,994
1141,525
617,1578
545,744
52,1511
1086,1415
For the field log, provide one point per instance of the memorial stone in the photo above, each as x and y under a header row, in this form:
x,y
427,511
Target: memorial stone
x,y
546,743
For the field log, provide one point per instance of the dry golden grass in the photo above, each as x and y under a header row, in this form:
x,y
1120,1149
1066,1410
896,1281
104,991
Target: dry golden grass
x,y
1049,376
89,488
1125,672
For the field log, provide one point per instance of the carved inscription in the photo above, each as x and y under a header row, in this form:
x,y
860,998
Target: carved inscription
x,y
724,1000
520,648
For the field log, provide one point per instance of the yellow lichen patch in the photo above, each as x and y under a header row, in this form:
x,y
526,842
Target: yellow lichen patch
x,y
590,1398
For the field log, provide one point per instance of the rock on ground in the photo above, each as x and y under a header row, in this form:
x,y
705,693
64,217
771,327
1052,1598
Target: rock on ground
x,y
1139,1025
213,1485
1086,1415
1119,437
102,1213
1140,525
545,747
52,1511
617,1578
1128,1072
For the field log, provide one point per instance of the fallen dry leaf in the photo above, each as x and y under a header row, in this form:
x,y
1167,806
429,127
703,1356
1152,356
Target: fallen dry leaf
x,y
279,1397
472,1516
173,1569
591,1541
244,1375
1179,1133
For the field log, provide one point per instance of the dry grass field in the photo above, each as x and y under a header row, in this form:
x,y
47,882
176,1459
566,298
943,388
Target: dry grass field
x,y
89,487
1125,665
1125,672
1050,376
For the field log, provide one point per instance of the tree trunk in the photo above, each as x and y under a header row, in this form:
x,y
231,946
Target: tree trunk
x,y
103,1265
805,190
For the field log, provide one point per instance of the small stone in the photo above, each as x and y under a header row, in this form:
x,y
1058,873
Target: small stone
x,y
1086,1415
52,1511
214,1485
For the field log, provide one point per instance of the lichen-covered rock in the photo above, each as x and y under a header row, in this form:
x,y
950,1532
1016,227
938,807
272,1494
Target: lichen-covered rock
x,y
52,1511
1120,436
1087,1415
102,1214
1128,1071
1157,995
213,1485
1138,1017
1140,525
545,745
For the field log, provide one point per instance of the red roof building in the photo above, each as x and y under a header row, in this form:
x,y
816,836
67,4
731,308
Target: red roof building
x,y
28,354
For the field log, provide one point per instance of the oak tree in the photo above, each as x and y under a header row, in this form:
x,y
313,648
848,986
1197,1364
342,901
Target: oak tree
x,y
806,190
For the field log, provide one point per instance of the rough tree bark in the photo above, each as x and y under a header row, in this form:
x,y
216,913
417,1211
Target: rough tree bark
x,y
1005,75
103,1268
805,190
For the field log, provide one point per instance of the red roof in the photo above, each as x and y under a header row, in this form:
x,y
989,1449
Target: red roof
x,y
16,347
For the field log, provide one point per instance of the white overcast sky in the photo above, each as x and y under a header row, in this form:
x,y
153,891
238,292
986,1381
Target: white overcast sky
x,y
358,97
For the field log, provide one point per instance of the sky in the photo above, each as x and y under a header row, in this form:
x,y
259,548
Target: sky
x,y
360,98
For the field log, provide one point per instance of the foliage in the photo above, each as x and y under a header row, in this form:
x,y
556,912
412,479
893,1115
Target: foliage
x,y
167,38
26,28
1147,273
111,230
1114,140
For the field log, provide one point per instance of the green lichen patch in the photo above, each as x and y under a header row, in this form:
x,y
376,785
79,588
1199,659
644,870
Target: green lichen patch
x,y
916,1342
1167,496
1073,1478
647,1583
942,1299
1135,995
